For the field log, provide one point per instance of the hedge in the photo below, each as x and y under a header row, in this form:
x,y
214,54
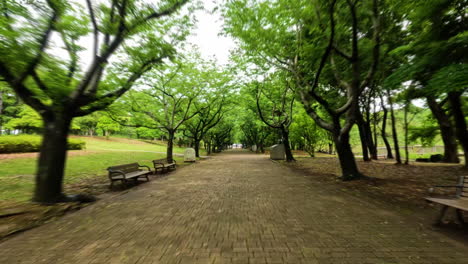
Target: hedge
x,y
30,143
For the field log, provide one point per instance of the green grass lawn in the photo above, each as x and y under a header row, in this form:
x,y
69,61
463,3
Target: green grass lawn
x,y
17,175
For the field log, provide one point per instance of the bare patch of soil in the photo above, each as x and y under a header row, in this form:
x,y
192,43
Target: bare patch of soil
x,y
405,185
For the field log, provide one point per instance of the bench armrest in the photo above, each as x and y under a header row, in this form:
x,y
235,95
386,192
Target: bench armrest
x,y
145,167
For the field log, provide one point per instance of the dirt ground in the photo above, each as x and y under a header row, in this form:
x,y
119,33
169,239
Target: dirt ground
x,y
401,186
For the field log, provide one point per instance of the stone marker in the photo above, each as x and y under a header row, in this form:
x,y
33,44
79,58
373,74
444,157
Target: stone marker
x,y
254,148
189,155
277,152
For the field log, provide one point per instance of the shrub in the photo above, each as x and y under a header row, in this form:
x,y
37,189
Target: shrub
x,y
30,143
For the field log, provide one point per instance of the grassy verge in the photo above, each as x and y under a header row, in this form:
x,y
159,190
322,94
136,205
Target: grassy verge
x,y
17,174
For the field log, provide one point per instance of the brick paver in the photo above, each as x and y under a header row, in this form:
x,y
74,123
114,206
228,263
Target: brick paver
x,y
234,208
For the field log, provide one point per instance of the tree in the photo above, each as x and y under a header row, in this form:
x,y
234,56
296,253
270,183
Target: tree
x,y
306,132
10,106
27,120
166,102
436,61
211,103
302,38
107,126
314,89
208,117
88,124
279,104
61,90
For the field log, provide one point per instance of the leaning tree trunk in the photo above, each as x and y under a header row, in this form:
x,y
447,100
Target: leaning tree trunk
x,y
370,142
170,144
446,131
52,159
287,147
384,133
349,169
460,123
394,131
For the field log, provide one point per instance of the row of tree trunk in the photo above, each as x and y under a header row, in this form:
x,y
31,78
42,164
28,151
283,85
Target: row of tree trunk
x,y
450,119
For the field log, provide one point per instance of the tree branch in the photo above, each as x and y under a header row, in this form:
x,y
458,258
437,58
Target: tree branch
x,y
95,27
43,41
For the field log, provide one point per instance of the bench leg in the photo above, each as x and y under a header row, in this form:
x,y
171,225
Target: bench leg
x,y
460,217
440,218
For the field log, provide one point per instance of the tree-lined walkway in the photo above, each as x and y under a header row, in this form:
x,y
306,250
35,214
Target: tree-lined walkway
x,y
235,208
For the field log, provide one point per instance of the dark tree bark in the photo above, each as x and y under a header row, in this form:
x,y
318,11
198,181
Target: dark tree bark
x,y
1,111
287,149
384,131
370,142
349,168
460,123
51,162
170,144
362,135
406,126
196,146
394,131
446,130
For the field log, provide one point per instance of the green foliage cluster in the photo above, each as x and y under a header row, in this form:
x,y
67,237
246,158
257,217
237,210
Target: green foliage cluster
x,y
31,143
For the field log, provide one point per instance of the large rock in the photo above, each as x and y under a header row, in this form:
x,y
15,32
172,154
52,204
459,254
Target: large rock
x,y
189,155
277,152
254,148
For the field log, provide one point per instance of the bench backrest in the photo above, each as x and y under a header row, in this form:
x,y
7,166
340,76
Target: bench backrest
x,y
125,167
464,189
164,160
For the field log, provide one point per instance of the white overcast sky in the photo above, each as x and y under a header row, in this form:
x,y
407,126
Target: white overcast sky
x,y
207,34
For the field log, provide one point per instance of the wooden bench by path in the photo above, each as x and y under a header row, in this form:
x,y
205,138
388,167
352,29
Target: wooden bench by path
x,y
459,202
127,171
164,164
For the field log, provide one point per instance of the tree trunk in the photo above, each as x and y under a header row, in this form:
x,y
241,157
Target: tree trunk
x,y
406,132
362,135
170,144
51,162
394,132
196,146
384,133
1,110
446,131
460,123
348,164
287,147
370,142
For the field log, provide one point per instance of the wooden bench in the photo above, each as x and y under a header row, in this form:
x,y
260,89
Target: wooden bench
x,y
164,164
459,202
127,171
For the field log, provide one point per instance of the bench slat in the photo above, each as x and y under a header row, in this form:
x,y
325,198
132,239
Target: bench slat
x,y
461,204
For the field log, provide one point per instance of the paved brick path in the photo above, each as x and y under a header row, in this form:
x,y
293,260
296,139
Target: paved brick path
x,y
234,208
